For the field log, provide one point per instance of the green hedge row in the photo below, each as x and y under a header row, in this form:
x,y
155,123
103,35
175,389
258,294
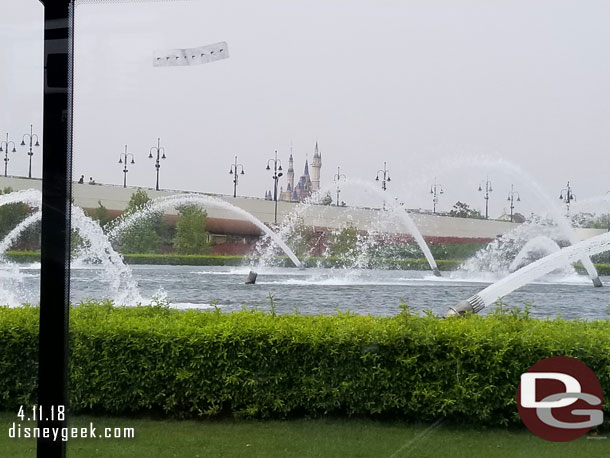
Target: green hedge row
x,y
253,364
214,260
185,259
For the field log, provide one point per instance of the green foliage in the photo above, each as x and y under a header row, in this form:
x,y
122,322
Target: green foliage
x,y
591,220
196,364
462,210
344,243
144,236
137,201
191,236
302,239
327,199
101,215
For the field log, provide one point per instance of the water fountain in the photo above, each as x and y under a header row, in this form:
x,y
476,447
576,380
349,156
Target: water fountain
x,y
172,202
95,248
16,232
393,210
531,272
497,257
533,248
549,204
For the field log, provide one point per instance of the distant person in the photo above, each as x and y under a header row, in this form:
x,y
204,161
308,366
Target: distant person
x,y
91,180
82,179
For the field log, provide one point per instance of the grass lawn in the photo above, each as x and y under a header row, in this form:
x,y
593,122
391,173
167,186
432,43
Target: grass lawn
x,y
301,438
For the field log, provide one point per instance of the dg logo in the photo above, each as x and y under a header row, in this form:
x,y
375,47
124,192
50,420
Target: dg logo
x,y
560,399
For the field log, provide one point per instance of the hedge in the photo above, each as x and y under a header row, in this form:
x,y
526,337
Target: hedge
x,y
152,360
217,260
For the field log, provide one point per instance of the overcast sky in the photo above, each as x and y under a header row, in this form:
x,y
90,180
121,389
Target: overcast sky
x,y
435,88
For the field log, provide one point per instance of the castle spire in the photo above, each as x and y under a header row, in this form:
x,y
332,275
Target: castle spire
x,y
316,165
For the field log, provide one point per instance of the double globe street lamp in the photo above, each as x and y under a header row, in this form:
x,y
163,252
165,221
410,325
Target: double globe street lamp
x,y
4,147
566,195
160,152
235,171
277,173
385,178
511,199
123,159
436,189
30,138
337,178
488,189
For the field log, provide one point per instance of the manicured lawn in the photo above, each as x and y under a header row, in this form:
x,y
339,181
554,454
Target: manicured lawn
x,y
302,439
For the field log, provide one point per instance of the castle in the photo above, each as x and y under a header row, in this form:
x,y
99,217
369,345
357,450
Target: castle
x,y
307,183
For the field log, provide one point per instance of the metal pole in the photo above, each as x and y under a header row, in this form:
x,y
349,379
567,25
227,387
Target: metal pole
x,y
30,153
55,230
6,157
235,179
158,164
275,177
487,200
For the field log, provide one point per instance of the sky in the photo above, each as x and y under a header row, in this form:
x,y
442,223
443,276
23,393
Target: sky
x,y
461,90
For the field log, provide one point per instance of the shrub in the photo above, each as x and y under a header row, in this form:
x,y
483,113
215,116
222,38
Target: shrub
x,y
204,364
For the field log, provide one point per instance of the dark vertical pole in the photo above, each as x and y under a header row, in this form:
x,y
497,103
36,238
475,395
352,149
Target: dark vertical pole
x,y
31,153
55,241
235,179
275,177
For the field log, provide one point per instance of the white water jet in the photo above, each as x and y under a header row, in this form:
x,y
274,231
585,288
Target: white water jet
x,y
404,216
96,249
171,202
540,244
531,272
31,197
552,208
312,203
15,233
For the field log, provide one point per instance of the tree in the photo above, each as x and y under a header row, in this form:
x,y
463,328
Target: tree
x,y
302,239
144,236
137,201
344,243
191,236
327,199
462,210
590,220
101,215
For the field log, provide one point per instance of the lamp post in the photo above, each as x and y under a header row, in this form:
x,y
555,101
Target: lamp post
x,y
385,173
277,167
385,176
6,145
511,199
123,159
567,196
160,151
30,136
488,189
435,190
234,170
337,178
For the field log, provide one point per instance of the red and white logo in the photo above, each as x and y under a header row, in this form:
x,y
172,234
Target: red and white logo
x,y
560,399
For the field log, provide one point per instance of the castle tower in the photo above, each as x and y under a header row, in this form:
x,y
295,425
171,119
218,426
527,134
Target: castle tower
x,y
290,173
316,165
